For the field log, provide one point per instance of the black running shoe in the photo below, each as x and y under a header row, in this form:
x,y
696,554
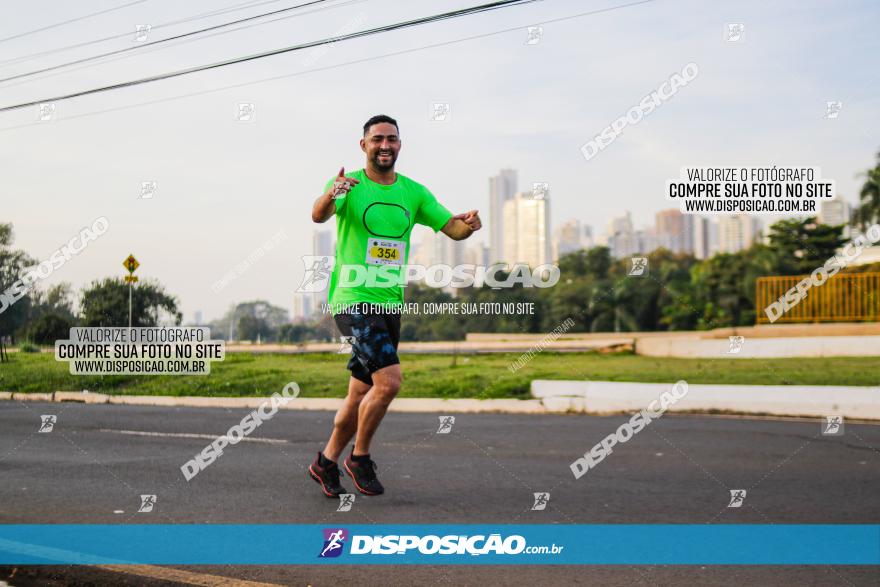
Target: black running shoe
x,y
327,476
364,476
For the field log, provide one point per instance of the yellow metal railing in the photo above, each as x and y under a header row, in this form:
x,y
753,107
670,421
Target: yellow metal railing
x,y
846,297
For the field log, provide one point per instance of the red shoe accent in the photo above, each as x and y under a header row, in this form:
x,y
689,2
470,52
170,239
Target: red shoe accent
x,y
354,480
318,479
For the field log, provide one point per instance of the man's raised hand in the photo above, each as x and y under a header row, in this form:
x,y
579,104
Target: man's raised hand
x,y
342,185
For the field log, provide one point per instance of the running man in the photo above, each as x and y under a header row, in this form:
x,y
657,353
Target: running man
x,y
376,209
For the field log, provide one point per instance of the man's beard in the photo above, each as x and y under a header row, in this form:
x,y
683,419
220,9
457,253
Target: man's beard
x,y
383,166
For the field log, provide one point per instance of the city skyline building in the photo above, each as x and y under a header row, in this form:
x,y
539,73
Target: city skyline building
x,y
527,222
502,188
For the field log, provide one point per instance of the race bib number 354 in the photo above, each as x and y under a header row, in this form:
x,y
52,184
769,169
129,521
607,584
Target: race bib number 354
x,y
385,252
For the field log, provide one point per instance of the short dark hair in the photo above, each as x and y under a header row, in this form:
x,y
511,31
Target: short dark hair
x,y
380,118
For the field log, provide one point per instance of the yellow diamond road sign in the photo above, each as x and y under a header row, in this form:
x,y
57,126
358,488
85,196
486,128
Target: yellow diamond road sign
x,y
131,264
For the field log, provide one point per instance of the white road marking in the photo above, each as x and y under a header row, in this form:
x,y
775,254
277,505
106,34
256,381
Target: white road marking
x,y
190,435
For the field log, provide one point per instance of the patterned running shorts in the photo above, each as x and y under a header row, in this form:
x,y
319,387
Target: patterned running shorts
x,y
374,336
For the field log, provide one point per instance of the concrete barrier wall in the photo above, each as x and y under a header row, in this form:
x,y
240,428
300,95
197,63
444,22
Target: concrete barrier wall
x,y
762,348
757,331
783,400
477,337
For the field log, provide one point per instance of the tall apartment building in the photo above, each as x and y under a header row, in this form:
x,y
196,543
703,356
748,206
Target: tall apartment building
x,y
527,226
323,245
834,212
674,230
702,237
571,236
502,188
737,232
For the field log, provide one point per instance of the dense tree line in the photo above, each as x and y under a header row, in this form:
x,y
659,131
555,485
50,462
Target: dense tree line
x,y
678,292
43,315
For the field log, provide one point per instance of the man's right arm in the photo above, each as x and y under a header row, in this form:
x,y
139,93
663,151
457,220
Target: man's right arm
x,y
325,205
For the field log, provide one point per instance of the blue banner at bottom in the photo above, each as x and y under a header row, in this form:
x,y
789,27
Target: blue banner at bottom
x,y
492,544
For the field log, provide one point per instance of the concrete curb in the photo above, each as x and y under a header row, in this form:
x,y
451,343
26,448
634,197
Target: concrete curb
x,y
553,397
507,406
602,397
511,406
32,397
79,396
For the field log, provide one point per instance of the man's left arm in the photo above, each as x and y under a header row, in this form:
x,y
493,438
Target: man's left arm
x,y
432,213
461,226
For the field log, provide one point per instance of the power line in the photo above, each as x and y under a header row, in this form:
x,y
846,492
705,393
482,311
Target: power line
x,y
192,40
364,33
58,24
200,16
151,43
336,66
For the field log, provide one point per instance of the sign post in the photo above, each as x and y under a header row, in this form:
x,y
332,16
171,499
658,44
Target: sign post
x,y
131,264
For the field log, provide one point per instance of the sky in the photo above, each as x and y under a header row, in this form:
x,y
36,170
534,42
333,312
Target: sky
x,y
224,187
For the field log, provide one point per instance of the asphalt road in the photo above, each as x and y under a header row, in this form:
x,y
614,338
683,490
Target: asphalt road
x,y
92,469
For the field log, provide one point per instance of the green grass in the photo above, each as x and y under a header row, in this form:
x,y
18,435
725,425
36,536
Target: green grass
x,y
467,376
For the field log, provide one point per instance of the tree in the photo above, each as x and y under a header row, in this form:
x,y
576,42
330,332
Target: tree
x,y
21,313
294,333
14,313
250,320
58,300
55,301
667,282
584,292
105,303
428,327
250,327
868,211
567,299
719,296
48,328
799,246
595,262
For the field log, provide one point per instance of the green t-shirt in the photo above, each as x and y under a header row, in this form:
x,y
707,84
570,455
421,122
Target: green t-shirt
x,y
373,226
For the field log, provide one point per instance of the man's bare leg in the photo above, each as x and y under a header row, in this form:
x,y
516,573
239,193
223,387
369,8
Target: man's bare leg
x,y
345,424
386,383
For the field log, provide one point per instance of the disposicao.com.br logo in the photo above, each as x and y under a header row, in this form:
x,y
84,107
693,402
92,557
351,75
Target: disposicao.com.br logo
x,y
476,545
319,269
334,542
